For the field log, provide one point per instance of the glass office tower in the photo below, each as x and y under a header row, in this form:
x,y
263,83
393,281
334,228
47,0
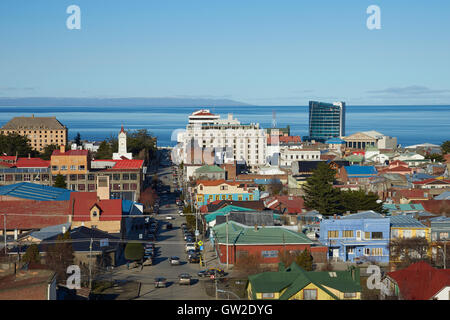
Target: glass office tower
x,y
326,120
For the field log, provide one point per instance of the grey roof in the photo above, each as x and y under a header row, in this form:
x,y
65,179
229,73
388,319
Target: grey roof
x,y
50,231
406,222
443,196
364,215
33,123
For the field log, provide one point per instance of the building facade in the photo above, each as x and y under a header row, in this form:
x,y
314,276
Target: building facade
x,y
209,191
326,120
42,131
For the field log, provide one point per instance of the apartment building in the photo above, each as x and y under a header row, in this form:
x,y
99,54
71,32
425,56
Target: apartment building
x,y
223,140
289,155
42,131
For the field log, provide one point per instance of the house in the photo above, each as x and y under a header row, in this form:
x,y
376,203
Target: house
x,y
407,195
419,281
356,237
207,191
436,206
216,205
357,174
264,242
39,235
432,183
90,211
294,283
35,283
395,209
69,162
210,219
407,227
286,204
207,172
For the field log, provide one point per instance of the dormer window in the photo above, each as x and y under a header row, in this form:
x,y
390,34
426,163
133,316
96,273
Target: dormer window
x,y
94,213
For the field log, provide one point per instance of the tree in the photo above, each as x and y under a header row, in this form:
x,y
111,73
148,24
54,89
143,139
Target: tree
x,y
435,157
405,251
134,251
354,201
319,192
78,139
286,257
60,255
446,147
48,150
248,264
60,182
305,260
32,254
148,197
104,151
13,143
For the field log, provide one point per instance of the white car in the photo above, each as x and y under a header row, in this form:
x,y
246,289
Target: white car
x,y
170,218
190,246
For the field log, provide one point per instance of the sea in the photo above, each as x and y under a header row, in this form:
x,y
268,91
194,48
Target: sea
x,y
410,124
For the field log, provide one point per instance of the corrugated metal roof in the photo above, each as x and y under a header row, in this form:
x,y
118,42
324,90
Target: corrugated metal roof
x,y
405,222
33,191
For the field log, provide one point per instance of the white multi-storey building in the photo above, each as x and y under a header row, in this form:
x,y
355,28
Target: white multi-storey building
x,y
207,137
291,154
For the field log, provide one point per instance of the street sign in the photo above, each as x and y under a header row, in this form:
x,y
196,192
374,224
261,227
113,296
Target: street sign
x,y
201,248
197,233
104,242
200,243
140,235
212,277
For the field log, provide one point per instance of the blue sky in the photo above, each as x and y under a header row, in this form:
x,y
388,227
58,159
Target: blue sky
x,y
256,51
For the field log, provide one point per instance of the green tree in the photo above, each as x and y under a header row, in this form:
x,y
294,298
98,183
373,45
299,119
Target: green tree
x,y
446,147
14,143
60,182
32,254
305,260
48,150
435,157
354,201
104,151
78,139
134,251
319,192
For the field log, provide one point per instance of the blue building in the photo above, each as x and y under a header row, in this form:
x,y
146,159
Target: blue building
x,y
357,237
33,191
326,120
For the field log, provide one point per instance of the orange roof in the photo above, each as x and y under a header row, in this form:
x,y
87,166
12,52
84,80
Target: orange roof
x,y
128,164
32,163
217,182
70,153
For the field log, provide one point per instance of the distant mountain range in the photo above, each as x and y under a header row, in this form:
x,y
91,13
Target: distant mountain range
x,y
113,102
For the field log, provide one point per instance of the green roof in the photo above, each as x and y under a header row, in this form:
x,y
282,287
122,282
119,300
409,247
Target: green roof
x,y
241,234
354,158
223,211
294,279
209,169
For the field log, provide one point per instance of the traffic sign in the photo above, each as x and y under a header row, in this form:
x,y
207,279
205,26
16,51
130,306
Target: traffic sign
x,y
212,277
200,243
104,242
201,248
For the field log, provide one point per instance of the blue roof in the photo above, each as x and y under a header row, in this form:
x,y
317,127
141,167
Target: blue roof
x,y
360,171
364,215
33,191
443,196
267,181
404,207
50,231
335,141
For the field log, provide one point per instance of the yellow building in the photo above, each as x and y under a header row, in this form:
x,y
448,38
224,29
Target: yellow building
x,y
42,131
294,283
69,162
403,227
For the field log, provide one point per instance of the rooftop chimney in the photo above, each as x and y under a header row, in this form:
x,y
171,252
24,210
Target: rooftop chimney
x,y
62,148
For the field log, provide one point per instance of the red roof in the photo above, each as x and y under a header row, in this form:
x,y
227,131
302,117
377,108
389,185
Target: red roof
x,y
7,158
128,164
420,281
29,214
70,153
435,206
291,203
427,181
202,113
32,163
413,193
398,163
285,139
82,203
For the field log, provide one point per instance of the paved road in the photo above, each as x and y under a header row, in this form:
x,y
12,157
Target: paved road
x,y
169,243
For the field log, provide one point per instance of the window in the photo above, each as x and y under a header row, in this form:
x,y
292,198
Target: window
x,y
73,167
333,234
394,233
81,177
73,177
366,251
310,294
82,167
2,177
443,235
347,233
420,233
377,235
230,197
126,186
217,198
349,295
63,168
223,197
268,295
27,177
133,186
125,176
201,187
81,187
366,235
223,187
91,187
133,176
55,168
407,233
240,198
91,177
116,186
18,177
116,176
377,251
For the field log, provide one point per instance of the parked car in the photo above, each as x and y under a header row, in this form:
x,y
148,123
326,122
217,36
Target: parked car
x,y
190,246
185,278
174,261
160,283
211,271
188,235
191,252
169,226
169,218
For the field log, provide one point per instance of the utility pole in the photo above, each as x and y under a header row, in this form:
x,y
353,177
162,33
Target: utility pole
x,y
4,230
227,239
90,269
445,254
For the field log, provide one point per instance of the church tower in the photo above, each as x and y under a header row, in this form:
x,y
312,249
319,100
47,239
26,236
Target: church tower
x,y
122,152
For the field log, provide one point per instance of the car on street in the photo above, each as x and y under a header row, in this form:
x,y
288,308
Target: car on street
x,y
195,258
160,282
190,246
169,218
211,271
191,252
185,278
174,261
